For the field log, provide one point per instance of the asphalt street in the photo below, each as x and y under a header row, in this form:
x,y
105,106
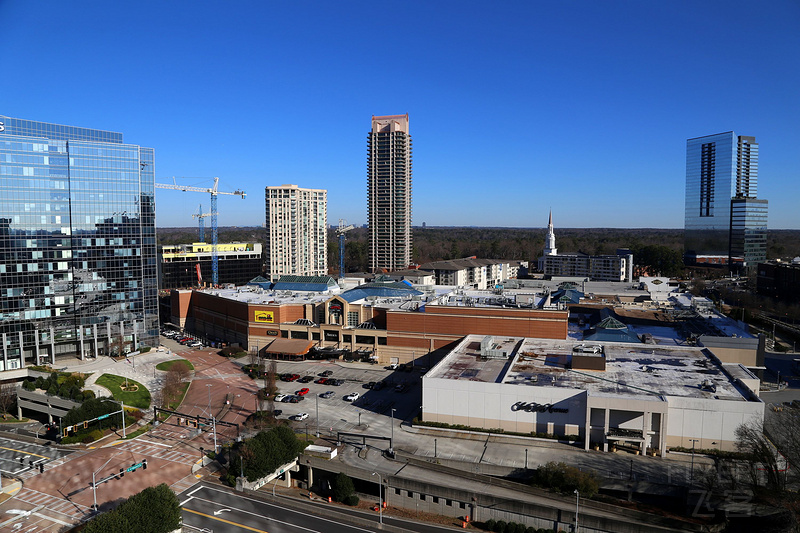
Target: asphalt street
x,y
15,456
217,509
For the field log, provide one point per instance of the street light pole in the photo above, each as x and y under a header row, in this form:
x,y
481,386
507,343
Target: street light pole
x,y
577,505
380,496
94,484
316,400
209,396
691,474
391,445
214,428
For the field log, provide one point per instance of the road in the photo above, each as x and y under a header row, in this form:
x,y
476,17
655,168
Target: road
x,y
220,510
16,456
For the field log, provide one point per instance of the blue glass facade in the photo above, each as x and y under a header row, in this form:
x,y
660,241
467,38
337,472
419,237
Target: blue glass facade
x,y
748,231
78,262
720,169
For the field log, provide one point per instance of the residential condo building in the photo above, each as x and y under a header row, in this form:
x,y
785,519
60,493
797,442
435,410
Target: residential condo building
x,y
725,221
389,193
78,262
297,237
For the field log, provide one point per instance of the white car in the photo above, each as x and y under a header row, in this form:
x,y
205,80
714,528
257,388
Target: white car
x,y
353,396
196,344
279,398
299,417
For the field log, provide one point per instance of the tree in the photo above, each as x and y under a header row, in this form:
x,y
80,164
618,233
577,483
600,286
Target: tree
x,y
342,487
155,510
8,397
762,456
177,374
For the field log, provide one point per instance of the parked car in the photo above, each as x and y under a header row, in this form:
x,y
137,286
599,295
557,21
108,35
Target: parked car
x,y
279,397
290,399
321,381
196,344
353,396
299,417
293,377
378,385
302,392
306,379
401,387
370,385
327,394
326,373
334,382
393,366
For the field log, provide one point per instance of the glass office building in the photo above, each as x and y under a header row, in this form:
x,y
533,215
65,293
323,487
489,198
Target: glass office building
x,y
78,261
723,216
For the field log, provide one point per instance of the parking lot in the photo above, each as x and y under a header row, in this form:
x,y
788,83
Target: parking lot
x,y
371,412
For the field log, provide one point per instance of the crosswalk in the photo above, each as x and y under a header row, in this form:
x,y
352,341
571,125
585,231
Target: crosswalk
x,y
31,472
184,484
59,506
159,451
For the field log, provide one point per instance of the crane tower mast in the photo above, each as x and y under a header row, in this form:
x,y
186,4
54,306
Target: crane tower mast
x,y
214,192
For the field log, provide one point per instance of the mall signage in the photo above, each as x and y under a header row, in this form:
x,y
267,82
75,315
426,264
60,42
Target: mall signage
x,y
533,407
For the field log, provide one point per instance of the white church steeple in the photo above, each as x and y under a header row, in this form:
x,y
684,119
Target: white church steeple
x,y
550,241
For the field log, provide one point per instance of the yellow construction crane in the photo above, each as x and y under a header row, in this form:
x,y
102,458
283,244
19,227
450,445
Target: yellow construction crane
x,y
214,192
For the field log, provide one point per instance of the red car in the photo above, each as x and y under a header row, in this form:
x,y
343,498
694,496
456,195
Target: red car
x,y
294,377
302,392
322,381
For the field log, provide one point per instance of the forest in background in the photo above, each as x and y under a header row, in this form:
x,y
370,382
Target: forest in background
x,y
660,249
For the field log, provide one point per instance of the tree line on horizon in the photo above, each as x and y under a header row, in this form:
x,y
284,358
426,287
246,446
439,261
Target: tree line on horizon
x,y
658,250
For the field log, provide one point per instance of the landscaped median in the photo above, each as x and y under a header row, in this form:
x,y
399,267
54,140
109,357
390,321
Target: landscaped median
x,y
130,392
167,365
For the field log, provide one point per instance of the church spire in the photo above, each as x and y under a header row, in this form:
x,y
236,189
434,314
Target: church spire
x,y
550,242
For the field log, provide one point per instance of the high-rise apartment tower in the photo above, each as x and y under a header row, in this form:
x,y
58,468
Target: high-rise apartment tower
x,y
725,222
389,193
78,262
297,237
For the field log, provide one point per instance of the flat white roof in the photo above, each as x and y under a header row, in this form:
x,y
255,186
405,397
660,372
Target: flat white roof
x,y
637,370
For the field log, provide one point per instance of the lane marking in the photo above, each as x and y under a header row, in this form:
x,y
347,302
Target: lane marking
x,y
279,508
225,521
20,451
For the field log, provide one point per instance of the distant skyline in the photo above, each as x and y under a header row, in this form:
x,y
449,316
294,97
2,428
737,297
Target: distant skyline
x,y
514,108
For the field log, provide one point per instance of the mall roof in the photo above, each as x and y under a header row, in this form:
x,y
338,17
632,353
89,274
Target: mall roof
x,y
631,369
395,289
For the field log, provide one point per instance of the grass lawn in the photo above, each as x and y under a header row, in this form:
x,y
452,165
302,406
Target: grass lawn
x,y
166,365
138,432
139,398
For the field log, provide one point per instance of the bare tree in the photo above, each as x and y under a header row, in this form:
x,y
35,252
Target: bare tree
x,y
763,457
177,374
8,397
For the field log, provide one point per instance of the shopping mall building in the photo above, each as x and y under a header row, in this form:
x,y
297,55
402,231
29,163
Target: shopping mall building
x,y
391,321
642,397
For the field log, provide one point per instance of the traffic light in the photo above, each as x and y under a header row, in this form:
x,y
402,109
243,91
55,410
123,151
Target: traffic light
x,y
85,424
144,464
41,468
30,463
121,472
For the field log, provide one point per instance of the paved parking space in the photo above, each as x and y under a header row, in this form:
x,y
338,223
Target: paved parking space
x,y
371,413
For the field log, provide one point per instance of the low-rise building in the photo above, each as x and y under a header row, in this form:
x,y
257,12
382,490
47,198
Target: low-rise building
x,y
189,265
472,272
603,394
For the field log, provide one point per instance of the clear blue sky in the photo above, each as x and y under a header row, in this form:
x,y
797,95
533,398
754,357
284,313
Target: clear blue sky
x,y
515,107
